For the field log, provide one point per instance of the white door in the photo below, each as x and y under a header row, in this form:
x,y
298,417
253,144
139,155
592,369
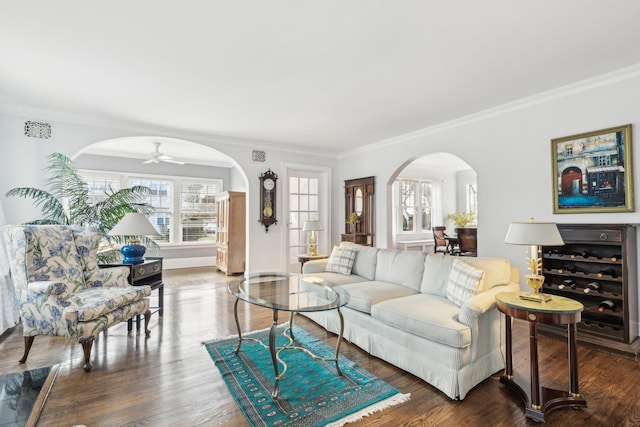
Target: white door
x,y
307,200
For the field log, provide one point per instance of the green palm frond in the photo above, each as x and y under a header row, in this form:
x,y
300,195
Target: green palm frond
x,y
51,207
67,203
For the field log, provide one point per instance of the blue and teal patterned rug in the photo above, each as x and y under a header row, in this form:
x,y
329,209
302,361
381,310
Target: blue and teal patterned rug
x,y
311,392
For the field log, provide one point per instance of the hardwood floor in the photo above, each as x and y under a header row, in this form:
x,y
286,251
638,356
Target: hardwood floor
x,y
169,379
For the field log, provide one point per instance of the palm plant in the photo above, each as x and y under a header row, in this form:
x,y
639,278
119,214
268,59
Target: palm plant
x,y
66,202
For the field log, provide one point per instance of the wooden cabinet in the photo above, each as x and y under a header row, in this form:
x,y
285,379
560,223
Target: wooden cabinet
x,y
597,265
359,201
230,232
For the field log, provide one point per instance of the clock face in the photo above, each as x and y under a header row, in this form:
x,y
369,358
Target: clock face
x,y
269,184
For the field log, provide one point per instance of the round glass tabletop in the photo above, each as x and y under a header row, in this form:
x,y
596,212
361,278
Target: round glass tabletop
x,y
288,292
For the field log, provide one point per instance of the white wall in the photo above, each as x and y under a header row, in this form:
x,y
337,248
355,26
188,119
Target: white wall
x,y
510,150
23,159
508,147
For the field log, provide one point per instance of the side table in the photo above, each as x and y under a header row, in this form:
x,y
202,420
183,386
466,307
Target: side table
x,y
148,273
302,258
558,311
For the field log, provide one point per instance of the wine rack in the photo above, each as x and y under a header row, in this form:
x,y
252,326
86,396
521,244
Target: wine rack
x,y
596,264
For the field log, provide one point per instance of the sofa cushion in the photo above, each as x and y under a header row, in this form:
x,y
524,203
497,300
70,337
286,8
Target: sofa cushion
x,y
364,295
95,302
341,260
402,267
336,279
497,271
428,316
463,282
436,272
365,263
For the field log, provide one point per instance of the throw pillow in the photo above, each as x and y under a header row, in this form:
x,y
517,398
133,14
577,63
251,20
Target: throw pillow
x,y
341,260
463,282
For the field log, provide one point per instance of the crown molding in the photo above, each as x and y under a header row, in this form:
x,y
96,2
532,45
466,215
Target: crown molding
x,y
141,129
585,85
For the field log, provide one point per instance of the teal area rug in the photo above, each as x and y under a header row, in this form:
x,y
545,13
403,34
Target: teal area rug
x,y
311,391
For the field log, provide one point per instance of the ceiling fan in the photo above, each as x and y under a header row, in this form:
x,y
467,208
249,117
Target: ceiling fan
x,y
157,157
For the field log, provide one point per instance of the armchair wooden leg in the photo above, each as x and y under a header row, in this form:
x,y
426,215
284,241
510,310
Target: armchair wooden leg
x,y
87,345
27,347
147,317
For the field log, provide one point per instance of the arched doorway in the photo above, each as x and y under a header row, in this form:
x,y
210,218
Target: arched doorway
x,y
422,193
184,177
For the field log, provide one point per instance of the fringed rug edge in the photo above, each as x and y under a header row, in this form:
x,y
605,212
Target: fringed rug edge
x,y
394,400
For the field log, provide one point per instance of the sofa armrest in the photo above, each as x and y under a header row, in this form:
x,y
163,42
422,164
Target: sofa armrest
x,y
482,317
314,266
49,287
483,302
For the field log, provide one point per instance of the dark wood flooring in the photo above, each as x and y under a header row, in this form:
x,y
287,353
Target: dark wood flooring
x,y
169,379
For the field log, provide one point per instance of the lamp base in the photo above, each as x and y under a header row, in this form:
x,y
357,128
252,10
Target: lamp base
x,y
133,254
535,281
536,297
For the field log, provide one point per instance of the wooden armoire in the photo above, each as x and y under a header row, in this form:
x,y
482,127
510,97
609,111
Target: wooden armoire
x,y
230,232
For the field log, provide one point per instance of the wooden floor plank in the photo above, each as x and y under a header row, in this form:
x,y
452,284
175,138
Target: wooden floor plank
x,y
170,380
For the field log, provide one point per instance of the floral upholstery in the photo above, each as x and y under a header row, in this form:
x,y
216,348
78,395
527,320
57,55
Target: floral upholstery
x,y
62,290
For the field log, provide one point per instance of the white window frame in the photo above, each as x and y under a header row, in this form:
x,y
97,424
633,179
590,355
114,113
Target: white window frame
x,y
417,224
176,183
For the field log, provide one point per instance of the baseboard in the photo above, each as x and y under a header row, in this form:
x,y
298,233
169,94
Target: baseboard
x,y
173,263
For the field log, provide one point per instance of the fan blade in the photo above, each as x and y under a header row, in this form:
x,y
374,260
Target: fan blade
x,y
172,161
154,160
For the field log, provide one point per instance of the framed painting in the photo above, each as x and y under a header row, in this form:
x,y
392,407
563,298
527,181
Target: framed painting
x,y
592,172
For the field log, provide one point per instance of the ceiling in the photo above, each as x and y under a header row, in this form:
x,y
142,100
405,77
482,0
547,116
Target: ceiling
x,y
331,74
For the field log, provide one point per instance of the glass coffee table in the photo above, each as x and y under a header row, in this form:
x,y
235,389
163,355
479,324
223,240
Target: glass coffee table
x,y
287,292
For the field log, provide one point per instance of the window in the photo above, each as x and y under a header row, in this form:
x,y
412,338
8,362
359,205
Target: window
x,y
198,211
160,199
185,207
100,185
303,205
415,213
472,199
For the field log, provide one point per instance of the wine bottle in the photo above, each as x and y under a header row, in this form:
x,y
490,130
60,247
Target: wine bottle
x,y
606,305
567,267
569,283
607,271
592,286
615,257
554,252
582,254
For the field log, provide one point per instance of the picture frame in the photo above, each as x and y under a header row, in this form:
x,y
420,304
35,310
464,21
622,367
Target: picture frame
x,y
592,172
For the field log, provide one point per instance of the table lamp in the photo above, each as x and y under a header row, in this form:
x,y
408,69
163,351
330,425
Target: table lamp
x,y
534,234
133,225
312,226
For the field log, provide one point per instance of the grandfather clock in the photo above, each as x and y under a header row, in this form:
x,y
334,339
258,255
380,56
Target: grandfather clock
x,y
359,208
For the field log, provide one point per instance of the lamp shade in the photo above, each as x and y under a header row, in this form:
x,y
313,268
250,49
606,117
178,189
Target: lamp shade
x,y
534,233
133,224
313,225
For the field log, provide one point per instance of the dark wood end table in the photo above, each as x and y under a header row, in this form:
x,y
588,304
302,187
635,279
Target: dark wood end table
x,y
558,311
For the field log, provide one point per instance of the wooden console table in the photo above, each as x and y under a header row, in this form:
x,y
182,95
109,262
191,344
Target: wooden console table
x,y
557,311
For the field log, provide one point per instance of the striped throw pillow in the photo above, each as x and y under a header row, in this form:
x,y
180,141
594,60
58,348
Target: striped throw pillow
x,y
463,282
341,260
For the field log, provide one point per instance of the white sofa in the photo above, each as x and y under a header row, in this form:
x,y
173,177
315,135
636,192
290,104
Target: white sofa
x,y
399,311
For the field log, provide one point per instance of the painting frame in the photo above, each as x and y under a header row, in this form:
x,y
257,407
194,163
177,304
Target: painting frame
x,y
592,172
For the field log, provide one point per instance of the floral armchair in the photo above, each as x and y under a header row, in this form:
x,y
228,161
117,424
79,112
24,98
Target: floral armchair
x,y
63,291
